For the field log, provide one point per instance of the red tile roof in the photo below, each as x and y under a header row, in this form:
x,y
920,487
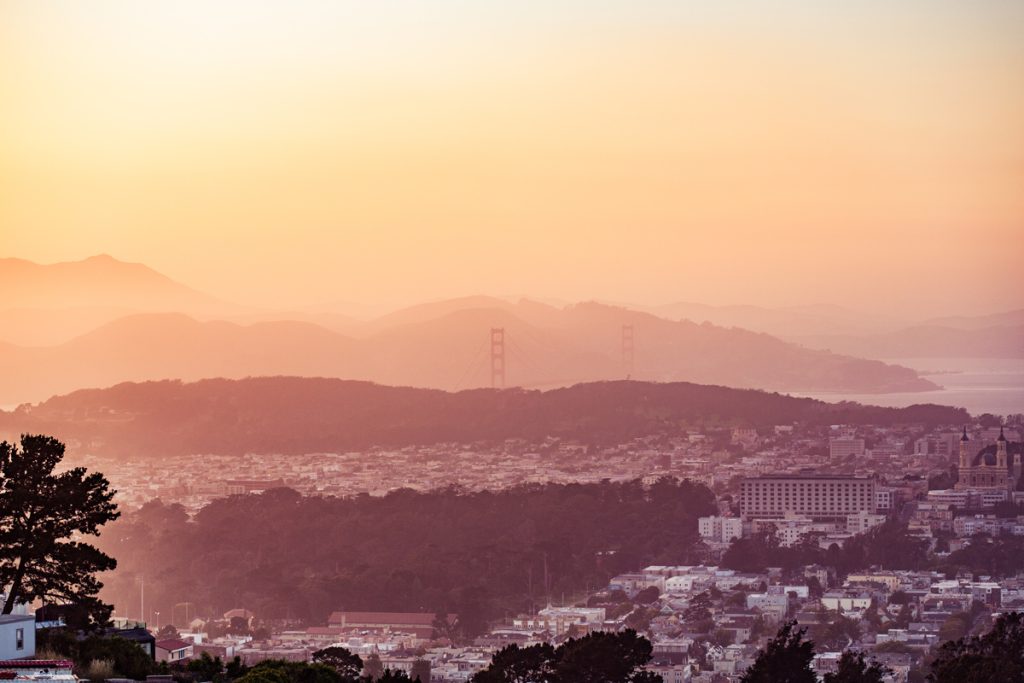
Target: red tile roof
x,y
173,644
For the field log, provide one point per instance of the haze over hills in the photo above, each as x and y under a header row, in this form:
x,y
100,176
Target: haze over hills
x,y
1013,318
308,415
579,343
785,322
46,304
99,282
100,321
929,341
838,329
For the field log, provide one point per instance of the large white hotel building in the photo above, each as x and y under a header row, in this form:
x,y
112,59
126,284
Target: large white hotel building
x,y
814,497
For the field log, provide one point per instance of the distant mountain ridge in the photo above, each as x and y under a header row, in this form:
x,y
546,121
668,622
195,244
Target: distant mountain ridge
x,y
290,415
785,322
48,304
929,341
98,282
100,321
545,347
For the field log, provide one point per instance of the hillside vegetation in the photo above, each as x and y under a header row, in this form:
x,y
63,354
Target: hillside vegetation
x,y
311,415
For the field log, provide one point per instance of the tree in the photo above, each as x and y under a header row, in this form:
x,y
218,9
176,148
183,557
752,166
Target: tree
x,y
640,619
347,664
167,631
372,667
647,595
837,633
40,512
126,658
853,669
515,664
420,671
899,597
239,626
205,667
281,671
955,626
599,657
395,676
996,656
603,657
444,626
785,659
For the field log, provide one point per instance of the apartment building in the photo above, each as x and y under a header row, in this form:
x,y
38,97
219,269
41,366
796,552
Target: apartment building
x,y
815,497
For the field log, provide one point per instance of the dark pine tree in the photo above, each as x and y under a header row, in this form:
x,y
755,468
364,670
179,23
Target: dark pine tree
x,y
853,669
40,512
996,656
786,659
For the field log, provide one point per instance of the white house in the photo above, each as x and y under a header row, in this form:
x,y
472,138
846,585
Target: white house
x,y
173,650
17,636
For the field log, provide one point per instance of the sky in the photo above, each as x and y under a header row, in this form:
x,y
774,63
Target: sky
x,y
869,154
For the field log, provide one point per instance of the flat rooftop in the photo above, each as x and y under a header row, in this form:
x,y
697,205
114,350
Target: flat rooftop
x,y
809,477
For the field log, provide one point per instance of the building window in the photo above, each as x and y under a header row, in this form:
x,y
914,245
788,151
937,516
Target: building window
x,y
19,639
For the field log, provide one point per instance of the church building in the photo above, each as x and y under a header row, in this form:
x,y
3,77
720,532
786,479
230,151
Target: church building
x,y
993,467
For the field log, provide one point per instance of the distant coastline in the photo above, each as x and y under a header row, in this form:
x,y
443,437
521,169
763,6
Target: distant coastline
x,y
981,385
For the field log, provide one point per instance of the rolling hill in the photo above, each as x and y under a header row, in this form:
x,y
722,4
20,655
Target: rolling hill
x,y
303,415
546,347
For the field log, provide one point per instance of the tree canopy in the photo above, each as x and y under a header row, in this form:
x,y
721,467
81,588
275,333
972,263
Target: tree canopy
x,y
995,656
310,415
347,664
449,551
854,669
600,657
785,659
43,517
888,545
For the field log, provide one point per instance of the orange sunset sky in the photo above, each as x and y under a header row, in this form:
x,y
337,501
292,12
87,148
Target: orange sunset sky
x,y
864,153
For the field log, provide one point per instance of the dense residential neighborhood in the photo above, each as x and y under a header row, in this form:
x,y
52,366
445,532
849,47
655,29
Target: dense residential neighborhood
x,y
791,503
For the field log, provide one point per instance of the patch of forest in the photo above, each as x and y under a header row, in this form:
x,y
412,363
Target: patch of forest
x,y
474,554
307,415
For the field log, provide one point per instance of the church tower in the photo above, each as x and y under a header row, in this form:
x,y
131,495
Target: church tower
x,y
964,464
1001,451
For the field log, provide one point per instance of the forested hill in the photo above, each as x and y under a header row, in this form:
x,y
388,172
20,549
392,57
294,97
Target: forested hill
x,y
308,415
475,554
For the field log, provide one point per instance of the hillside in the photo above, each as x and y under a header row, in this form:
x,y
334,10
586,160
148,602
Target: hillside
x,y
546,347
97,282
158,346
300,415
1014,318
785,322
48,304
929,341
474,554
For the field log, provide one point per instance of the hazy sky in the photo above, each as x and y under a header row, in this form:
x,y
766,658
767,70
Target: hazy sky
x,y
868,153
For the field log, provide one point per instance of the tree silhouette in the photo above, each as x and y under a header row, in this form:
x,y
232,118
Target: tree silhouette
x,y
392,676
853,669
515,664
40,512
372,667
600,657
420,671
996,656
347,664
786,659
